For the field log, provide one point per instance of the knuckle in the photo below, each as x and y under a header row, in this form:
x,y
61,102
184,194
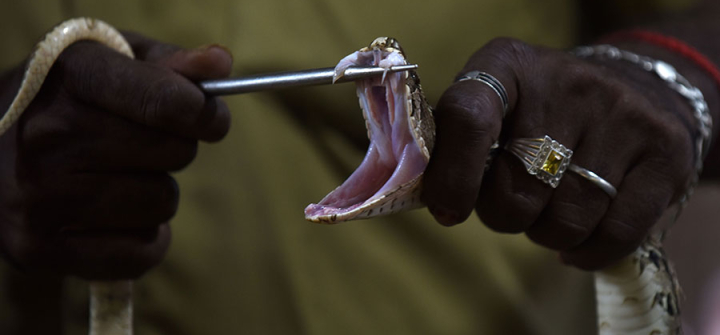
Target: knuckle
x,y
169,196
74,61
662,175
663,142
47,207
583,80
169,102
220,120
621,233
183,154
511,49
675,147
26,250
467,114
572,217
141,260
669,159
566,227
41,133
580,74
153,203
155,98
632,104
516,215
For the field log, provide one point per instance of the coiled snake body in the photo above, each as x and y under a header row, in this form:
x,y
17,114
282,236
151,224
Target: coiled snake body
x,y
636,296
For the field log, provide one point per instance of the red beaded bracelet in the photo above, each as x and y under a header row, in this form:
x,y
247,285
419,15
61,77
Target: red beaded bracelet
x,y
669,43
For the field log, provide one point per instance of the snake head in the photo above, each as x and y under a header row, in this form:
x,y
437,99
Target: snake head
x,y
381,47
386,43
401,132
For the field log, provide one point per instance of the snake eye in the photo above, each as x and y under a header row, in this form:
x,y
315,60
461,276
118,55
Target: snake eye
x,y
392,43
386,43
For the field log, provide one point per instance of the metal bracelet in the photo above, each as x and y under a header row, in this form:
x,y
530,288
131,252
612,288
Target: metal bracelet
x,y
676,82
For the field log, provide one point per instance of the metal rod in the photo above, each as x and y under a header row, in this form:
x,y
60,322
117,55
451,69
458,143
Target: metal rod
x,y
279,80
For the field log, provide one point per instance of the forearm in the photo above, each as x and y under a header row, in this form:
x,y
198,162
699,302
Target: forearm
x,y
698,28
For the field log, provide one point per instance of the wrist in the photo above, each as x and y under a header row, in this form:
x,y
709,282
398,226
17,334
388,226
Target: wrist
x,y
700,71
697,76
664,87
665,72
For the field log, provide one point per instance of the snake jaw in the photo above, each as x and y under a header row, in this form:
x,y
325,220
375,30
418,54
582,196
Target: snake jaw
x,y
388,178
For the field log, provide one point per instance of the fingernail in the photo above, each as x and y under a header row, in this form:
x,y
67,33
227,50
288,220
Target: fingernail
x,y
207,47
444,217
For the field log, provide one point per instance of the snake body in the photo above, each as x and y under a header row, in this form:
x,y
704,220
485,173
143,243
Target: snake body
x,y
638,295
110,302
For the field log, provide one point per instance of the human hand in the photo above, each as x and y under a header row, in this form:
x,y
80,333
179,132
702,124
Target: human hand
x,y
84,183
621,122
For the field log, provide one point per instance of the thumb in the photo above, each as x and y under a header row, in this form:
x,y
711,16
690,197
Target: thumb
x,y
211,61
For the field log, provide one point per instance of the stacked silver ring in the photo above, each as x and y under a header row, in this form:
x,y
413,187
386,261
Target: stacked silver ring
x,y
499,89
491,81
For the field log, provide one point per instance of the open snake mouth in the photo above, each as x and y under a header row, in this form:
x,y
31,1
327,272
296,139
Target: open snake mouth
x,y
397,155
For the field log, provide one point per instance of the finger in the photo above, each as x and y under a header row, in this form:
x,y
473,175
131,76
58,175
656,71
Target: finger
x,y
83,140
511,199
207,62
554,104
577,205
140,91
468,119
574,210
96,255
111,255
643,196
102,201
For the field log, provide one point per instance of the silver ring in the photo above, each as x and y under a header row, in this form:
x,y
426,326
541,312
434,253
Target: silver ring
x,y
491,81
543,157
595,179
548,160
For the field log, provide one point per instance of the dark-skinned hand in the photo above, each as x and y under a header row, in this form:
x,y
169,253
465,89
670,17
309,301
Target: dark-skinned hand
x,y
621,122
85,185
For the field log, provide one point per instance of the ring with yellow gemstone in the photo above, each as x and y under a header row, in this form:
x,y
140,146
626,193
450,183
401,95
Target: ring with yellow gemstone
x,y
543,157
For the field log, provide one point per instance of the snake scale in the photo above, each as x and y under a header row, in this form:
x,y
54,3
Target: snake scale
x,y
636,296
110,302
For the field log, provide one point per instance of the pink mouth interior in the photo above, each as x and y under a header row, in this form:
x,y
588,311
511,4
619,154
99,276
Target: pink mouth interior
x,y
393,157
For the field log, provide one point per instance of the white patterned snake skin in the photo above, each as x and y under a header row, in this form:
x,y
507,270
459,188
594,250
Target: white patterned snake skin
x,y
636,296
110,302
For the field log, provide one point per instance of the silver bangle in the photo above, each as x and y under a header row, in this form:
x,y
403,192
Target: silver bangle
x,y
676,82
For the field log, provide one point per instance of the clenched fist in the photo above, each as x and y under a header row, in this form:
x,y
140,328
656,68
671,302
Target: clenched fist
x,y
621,122
85,188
